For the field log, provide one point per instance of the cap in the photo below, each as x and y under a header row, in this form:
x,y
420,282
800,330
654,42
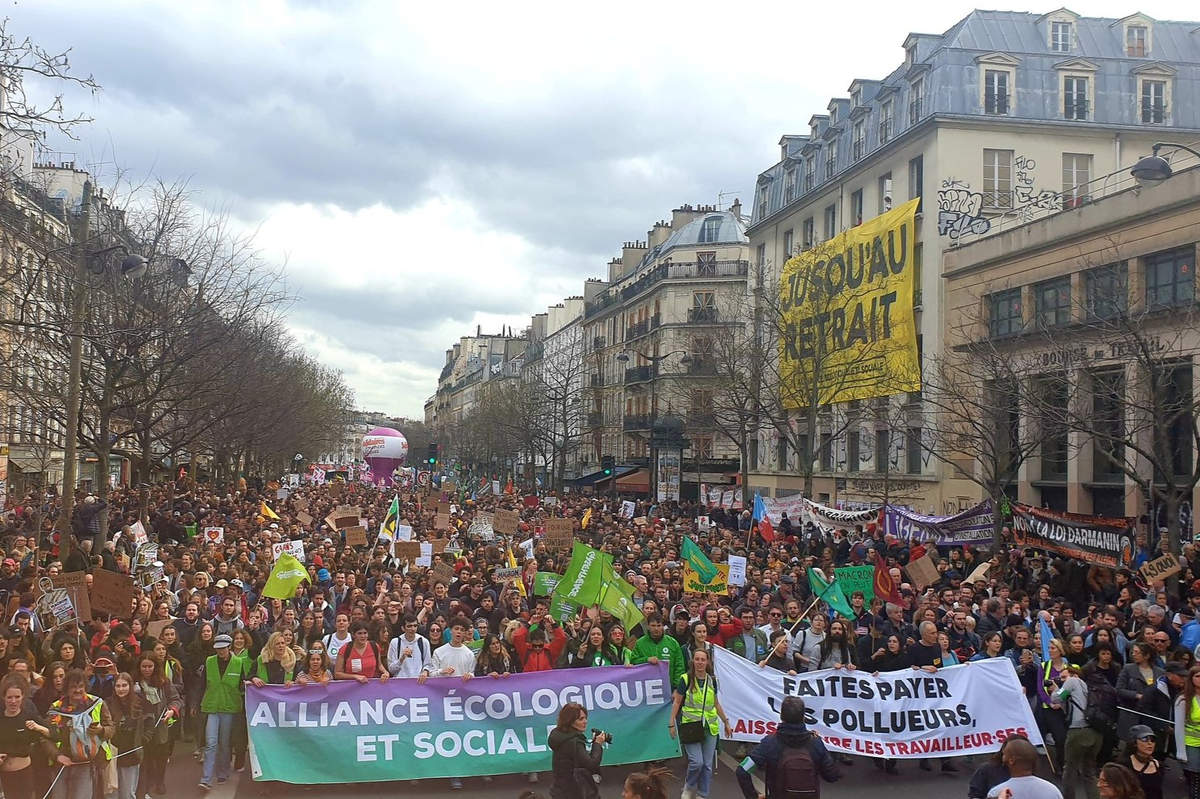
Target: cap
x,y
1139,731
1176,668
222,641
322,575
237,584
222,583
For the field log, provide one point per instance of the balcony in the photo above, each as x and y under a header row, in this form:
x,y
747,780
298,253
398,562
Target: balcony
x,y
597,381
686,271
635,422
595,419
700,367
703,315
639,374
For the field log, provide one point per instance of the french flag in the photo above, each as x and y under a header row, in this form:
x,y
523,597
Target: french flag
x,y
765,529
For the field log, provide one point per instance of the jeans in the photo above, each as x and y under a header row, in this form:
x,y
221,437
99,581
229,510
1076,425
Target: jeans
x,y
75,782
1053,722
127,779
700,764
1079,762
218,739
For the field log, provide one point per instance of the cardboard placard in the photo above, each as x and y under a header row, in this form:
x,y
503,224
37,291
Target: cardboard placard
x,y
922,571
449,487
560,533
1160,568
112,593
341,521
409,550
505,522
443,507
345,510
443,570
441,521
439,545
154,628
76,585
641,521
304,519
979,573
356,536
510,573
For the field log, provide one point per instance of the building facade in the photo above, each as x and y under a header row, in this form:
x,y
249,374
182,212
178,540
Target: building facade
x,y
1005,118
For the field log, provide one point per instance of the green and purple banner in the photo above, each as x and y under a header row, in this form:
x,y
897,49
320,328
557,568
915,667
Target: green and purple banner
x,y
399,730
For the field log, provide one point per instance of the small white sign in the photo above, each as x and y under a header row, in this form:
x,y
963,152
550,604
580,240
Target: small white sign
x,y
214,535
404,532
737,570
426,557
296,548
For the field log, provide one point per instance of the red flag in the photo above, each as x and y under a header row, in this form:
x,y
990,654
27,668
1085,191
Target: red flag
x,y
766,530
885,587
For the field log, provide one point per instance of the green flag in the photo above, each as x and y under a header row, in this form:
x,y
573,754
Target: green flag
x,y
192,530
561,610
287,574
387,530
585,577
699,562
617,599
544,583
830,593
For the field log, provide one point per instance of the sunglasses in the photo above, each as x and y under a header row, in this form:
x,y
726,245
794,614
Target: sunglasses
x,y
1149,738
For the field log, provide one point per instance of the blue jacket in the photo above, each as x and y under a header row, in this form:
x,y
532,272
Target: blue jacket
x,y
768,751
1189,636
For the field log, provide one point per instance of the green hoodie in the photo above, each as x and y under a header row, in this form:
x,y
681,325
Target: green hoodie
x,y
665,648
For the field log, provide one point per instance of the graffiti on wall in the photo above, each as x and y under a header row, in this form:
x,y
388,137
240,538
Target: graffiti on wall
x,y
1028,199
960,210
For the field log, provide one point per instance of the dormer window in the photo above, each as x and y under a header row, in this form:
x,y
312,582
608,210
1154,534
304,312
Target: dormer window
x,y
1137,41
833,115
789,185
856,98
711,230
1060,37
810,173
910,54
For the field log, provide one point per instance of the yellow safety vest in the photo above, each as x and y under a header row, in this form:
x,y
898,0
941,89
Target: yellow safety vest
x,y
700,704
1191,724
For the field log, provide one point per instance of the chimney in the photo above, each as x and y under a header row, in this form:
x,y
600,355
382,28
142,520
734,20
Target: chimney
x,y
736,208
478,331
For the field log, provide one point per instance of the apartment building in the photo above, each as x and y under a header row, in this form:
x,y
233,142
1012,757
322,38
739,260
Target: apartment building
x,y
1003,119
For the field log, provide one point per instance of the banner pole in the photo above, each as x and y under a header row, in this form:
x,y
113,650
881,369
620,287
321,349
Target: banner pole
x,y
813,604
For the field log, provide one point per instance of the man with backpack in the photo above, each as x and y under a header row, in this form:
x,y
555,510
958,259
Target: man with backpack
x,y
794,759
1084,740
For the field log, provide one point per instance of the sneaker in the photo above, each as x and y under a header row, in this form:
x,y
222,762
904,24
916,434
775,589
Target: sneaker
x,y
533,778
204,786
688,793
455,784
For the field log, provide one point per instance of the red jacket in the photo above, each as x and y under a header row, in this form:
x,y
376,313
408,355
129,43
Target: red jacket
x,y
543,659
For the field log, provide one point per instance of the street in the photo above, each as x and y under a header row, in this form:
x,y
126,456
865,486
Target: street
x,y
861,779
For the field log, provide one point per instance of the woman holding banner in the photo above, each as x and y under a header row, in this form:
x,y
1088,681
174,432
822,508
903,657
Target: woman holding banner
x,y
694,718
161,698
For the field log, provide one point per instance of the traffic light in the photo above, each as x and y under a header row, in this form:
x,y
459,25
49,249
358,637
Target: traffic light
x,y
432,455
607,462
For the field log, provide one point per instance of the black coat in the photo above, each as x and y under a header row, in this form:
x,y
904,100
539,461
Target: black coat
x,y
571,752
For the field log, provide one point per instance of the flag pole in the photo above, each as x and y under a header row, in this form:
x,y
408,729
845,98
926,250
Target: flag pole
x,y
813,604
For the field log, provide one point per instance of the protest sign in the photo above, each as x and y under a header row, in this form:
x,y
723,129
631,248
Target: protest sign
x,y
703,524
505,522
641,521
399,729
507,573
857,578
144,556
138,532
441,521
971,526
404,532
75,584
960,710
1097,540
443,507
481,528
426,557
737,570
214,535
341,519
496,487
304,519
55,608
1160,568
627,509
296,548
979,573
550,502
154,628
407,549
559,533
531,501
693,584
112,592
922,571
526,547
356,536
443,570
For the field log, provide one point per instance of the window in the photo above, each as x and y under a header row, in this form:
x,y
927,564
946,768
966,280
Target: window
x,y
997,178
706,266
916,180
753,454
856,208
882,445
710,231
1060,37
885,188
1107,291
1075,97
787,243
830,222
1005,316
1055,450
1052,302
702,447
810,172
1076,174
762,201
912,450
760,255
789,185
831,160
885,122
1154,101
1108,424
781,453
916,95
826,452
910,54
808,233
995,91
1172,384
859,138
1170,278
704,299
1137,41
852,451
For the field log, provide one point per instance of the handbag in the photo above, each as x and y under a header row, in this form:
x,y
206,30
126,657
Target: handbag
x,y
693,732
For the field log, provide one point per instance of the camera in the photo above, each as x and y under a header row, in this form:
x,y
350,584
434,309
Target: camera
x,y
601,733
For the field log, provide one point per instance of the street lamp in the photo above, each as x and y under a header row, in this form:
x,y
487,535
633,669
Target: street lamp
x,y
655,360
1153,169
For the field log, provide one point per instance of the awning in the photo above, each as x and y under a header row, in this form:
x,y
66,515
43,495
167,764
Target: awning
x,y
638,480
30,465
588,479
602,483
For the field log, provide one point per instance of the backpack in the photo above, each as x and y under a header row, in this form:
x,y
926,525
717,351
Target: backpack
x,y
1100,712
795,775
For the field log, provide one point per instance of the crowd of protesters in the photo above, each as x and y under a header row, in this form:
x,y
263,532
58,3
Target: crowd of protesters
x,y
105,705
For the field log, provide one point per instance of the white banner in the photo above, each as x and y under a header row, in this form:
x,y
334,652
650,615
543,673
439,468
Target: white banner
x,y
296,548
959,710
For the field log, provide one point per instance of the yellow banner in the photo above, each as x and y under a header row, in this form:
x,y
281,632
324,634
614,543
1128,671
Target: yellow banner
x,y
847,315
693,584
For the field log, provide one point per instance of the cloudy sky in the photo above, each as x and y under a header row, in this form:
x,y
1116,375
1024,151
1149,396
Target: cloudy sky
x,y
426,167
